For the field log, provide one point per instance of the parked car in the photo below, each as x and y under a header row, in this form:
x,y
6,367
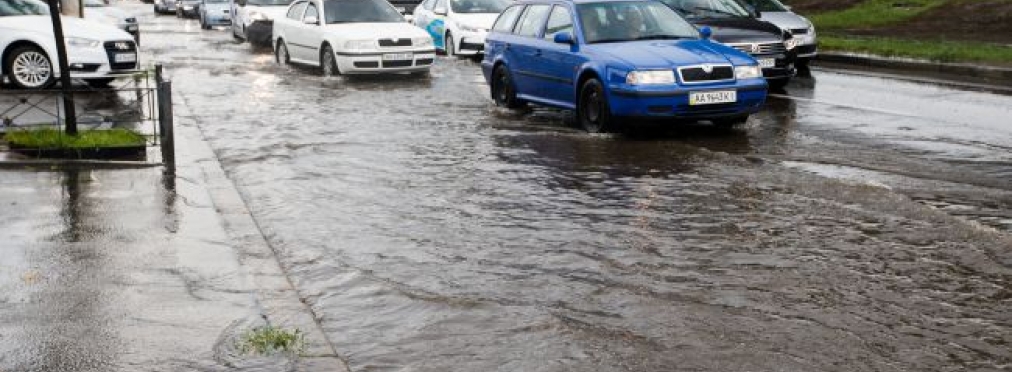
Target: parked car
x,y
187,8
101,11
458,26
609,59
95,52
733,25
406,7
253,20
165,6
351,37
775,12
214,13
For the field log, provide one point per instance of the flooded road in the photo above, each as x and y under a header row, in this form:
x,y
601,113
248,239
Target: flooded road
x,y
856,224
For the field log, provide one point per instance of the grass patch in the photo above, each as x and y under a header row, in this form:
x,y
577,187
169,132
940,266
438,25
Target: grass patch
x,y
872,13
941,51
271,340
49,138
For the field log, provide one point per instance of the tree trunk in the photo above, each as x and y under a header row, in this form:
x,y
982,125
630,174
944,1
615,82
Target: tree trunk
x,y
72,8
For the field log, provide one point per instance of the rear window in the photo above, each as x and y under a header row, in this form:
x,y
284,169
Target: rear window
x,y
508,17
295,12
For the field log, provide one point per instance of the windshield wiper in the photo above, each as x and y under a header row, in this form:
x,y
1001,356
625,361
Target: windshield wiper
x,y
661,37
609,41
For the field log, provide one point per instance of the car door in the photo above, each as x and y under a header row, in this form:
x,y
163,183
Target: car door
x,y
287,29
522,52
423,14
310,33
437,26
556,63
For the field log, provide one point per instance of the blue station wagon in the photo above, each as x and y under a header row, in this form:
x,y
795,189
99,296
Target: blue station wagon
x,y
611,59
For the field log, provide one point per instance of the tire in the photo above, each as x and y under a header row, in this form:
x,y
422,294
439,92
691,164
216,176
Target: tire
x,y
179,12
448,46
504,93
28,67
732,122
328,63
592,109
99,83
281,54
203,26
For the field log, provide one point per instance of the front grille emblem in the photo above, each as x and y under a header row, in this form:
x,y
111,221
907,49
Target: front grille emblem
x,y
754,48
122,45
707,68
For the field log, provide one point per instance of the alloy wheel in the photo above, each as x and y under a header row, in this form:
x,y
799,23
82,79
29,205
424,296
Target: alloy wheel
x,y
31,69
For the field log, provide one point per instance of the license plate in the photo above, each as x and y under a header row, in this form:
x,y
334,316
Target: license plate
x,y
767,62
401,9
397,56
131,28
712,97
125,58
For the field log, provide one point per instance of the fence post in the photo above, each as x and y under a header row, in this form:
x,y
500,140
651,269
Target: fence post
x,y
165,123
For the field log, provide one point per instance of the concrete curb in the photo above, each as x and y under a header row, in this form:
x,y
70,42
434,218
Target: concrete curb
x,y
278,299
954,71
75,164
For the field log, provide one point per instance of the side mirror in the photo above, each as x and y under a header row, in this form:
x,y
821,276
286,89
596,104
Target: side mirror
x,y
705,32
311,20
440,11
564,38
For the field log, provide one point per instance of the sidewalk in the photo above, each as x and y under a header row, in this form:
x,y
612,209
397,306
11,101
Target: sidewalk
x,y
128,270
968,73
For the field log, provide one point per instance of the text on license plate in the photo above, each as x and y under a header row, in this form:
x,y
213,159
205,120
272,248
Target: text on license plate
x,y
712,97
767,62
397,56
125,58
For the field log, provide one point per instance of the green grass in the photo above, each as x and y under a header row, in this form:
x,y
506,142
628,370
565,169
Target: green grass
x,y
941,51
270,340
872,13
49,138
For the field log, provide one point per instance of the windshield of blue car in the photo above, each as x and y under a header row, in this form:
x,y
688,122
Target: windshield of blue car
x,y
10,8
708,8
628,21
269,2
479,6
766,5
351,11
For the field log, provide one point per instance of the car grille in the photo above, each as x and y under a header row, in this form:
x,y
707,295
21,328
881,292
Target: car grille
x,y
761,48
799,31
698,74
387,64
404,42
116,47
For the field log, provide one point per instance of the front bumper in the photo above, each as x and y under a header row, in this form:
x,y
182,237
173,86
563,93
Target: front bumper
x,y
218,18
674,102
260,32
189,10
471,42
807,51
373,63
100,62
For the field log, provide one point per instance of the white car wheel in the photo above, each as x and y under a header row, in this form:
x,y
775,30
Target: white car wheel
x,y
282,54
329,63
30,68
449,45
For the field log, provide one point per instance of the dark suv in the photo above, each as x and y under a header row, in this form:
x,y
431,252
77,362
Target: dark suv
x,y
736,27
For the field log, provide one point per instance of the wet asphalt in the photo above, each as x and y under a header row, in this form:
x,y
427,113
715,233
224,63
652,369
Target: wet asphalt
x,y
858,223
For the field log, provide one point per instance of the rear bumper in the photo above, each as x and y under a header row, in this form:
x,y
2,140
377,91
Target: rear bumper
x,y
260,32
675,103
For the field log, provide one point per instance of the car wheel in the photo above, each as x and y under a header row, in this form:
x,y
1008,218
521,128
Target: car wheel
x,y
450,48
328,63
732,122
592,110
29,67
99,83
281,54
503,91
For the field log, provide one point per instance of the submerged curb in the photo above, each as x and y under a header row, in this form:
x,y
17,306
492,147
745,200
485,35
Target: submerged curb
x,y
75,164
955,71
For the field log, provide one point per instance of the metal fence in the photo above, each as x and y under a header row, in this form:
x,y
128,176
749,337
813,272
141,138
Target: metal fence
x,y
140,101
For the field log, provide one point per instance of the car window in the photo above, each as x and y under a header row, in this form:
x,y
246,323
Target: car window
x,y
295,12
708,8
23,7
632,20
559,21
352,11
532,20
268,2
479,6
311,11
428,4
440,4
507,18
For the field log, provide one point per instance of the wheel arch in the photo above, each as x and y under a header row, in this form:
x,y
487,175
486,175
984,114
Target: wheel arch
x,y
587,73
24,42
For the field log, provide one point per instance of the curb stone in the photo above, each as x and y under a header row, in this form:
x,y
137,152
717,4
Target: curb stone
x,y
274,293
965,72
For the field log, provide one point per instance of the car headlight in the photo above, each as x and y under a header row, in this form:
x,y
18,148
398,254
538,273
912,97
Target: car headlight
x,y
791,43
747,72
468,28
257,16
422,41
80,42
650,77
360,44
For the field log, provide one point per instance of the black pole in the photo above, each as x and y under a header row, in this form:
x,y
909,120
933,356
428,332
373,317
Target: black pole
x,y
69,110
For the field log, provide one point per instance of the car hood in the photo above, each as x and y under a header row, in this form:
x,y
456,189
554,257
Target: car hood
x,y
665,54
372,31
272,12
740,30
785,20
479,20
109,15
72,26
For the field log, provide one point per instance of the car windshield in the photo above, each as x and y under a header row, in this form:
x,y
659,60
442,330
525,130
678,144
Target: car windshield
x,y
351,11
628,21
215,1
22,8
269,2
707,8
766,5
479,6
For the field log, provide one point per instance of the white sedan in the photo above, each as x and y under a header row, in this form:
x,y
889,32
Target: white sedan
x,y
100,10
459,27
96,52
351,37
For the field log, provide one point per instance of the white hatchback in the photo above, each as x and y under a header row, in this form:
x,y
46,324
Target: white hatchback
x,y
96,52
351,37
458,27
